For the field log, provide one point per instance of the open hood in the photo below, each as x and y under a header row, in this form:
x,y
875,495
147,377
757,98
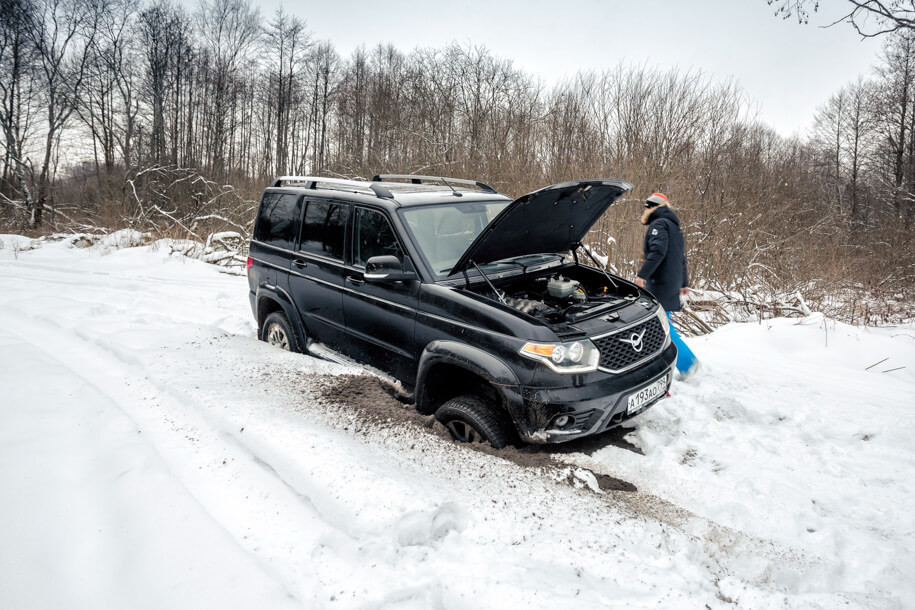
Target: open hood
x,y
552,219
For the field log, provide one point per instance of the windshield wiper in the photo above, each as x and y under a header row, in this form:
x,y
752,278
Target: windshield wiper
x,y
548,259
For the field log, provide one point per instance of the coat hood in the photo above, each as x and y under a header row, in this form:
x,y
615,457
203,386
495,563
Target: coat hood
x,y
553,219
662,211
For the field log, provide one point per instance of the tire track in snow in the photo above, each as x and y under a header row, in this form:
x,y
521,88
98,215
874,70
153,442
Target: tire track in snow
x,y
121,379
89,505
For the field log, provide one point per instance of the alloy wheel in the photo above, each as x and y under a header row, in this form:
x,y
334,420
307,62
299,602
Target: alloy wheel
x,y
277,336
463,432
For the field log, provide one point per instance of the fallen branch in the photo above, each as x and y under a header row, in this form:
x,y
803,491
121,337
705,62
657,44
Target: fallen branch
x,y
876,363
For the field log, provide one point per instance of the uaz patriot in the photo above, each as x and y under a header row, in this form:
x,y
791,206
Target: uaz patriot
x,y
488,312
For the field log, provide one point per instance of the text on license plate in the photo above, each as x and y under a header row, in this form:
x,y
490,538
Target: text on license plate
x,y
647,394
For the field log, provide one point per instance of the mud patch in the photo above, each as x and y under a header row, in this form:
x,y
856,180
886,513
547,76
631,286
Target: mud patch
x,y
541,456
375,404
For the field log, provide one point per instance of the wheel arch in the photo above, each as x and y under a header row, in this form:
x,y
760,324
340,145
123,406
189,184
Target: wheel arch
x,y
268,302
450,368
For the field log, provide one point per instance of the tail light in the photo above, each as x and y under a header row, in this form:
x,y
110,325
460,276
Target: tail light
x,y
249,264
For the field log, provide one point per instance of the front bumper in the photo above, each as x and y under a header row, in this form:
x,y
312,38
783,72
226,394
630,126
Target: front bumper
x,y
593,407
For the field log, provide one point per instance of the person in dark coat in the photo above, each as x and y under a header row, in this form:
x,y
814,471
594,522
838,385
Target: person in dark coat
x,y
663,270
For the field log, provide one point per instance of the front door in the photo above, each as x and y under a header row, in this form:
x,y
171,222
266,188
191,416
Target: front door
x,y
380,317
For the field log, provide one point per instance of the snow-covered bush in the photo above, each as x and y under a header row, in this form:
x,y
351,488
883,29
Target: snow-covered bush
x,y
226,249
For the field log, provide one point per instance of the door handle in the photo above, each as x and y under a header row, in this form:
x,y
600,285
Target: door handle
x,y
355,281
298,262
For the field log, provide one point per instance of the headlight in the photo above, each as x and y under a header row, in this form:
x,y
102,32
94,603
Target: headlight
x,y
665,324
571,357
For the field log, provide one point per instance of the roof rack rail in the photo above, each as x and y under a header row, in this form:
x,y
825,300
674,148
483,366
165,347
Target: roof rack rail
x,y
311,181
355,186
420,179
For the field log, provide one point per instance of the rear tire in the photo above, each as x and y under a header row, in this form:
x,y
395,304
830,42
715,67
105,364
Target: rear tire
x,y
278,331
469,419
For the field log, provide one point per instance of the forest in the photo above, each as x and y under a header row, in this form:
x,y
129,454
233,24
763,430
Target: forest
x,y
169,121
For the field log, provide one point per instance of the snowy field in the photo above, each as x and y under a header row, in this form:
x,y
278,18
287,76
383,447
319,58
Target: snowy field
x,y
154,454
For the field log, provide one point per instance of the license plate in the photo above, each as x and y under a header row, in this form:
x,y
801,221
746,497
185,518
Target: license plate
x,y
648,394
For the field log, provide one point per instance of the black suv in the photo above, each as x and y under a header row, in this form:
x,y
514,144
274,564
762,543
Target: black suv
x,y
481,307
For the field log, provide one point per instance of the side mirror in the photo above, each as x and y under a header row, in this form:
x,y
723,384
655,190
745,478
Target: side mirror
x,y
386,268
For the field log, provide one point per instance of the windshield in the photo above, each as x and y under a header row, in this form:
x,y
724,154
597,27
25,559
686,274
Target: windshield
x,y
444,232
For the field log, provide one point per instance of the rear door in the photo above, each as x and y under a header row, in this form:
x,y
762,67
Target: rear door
x,y
274,239
317,267
380,317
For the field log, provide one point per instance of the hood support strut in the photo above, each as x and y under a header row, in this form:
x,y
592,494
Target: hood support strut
x,y
496,292
587,250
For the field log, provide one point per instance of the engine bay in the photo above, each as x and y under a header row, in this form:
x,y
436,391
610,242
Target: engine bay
x,y
558,298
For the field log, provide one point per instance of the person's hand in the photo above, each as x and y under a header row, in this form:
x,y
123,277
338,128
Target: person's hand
x,y
640,282
684,291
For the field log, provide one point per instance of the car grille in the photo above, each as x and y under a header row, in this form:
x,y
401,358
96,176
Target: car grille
x,y
617,352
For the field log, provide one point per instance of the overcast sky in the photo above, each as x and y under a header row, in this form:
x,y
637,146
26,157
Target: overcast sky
x,y
787,68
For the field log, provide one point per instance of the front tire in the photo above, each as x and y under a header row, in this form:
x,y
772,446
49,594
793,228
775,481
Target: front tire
x,y
278,331
469,419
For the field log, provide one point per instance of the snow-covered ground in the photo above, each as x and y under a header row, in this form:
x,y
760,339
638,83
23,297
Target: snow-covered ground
x,y
154,454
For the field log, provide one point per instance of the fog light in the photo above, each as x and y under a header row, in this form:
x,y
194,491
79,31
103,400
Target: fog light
x,y
561,421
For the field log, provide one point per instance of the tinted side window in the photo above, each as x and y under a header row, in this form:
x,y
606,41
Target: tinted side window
x,y
275,219
322,229
373,237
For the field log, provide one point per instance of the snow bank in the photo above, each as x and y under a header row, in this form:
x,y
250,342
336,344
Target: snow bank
x,y
12,245
125,238
797,431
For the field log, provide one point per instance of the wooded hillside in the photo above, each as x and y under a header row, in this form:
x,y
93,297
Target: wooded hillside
x,y
124,114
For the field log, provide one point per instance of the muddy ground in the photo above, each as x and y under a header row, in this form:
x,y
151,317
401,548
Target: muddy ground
x,y
365,404
374,404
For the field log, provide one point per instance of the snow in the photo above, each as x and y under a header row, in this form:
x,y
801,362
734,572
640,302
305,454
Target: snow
x,y
224,236
154,454
13,244
125,238
786,414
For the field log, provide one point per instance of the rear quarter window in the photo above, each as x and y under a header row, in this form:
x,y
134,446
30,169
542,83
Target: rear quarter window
x,y
275,219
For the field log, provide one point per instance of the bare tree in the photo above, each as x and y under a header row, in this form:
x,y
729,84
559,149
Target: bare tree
x,y
869,17
164,31
895,101
109,104
859,128
62,32
829,126
229,29
17,95
352,113
287,43
323,63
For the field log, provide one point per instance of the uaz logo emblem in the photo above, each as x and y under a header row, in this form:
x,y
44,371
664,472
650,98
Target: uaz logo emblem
x,y
635,340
